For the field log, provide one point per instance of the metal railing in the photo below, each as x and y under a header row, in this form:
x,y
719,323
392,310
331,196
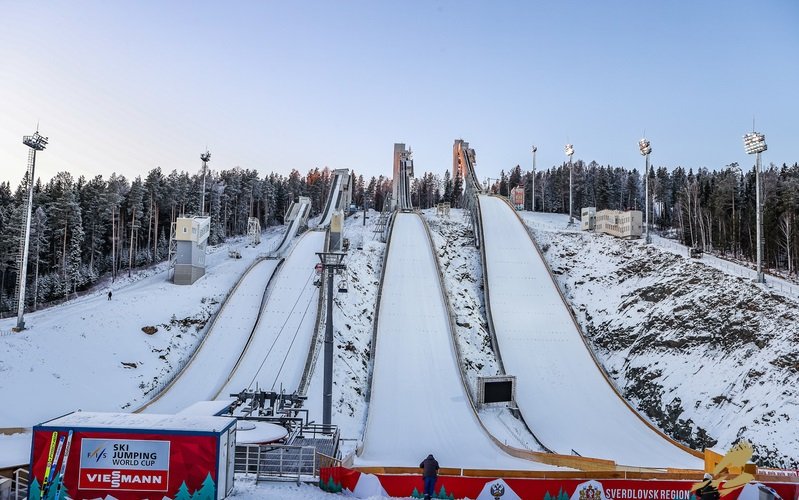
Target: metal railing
x,y
276,461
21,478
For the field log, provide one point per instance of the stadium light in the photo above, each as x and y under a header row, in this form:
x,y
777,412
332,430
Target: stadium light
x,y
569,149
35,142
205,157
534,151
755,143
646,148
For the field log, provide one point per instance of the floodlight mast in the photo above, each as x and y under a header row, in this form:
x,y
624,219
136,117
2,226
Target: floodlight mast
x,y
569,149
35,142
755,143
534,151
646,148
205,157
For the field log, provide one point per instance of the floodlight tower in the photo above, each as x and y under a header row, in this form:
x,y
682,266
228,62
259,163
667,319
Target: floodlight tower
x,y
534,150
205,157
645,148
755,143
570,152
36,143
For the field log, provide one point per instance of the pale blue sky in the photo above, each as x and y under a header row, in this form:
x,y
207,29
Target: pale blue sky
x,y
277,85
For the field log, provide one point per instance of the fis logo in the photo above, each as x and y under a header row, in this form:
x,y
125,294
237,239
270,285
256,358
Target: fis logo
x,y
98,454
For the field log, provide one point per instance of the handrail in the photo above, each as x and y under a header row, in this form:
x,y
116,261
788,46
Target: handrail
x,y
590,350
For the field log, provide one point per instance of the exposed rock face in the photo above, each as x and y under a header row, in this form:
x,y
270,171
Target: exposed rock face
x,y
711,358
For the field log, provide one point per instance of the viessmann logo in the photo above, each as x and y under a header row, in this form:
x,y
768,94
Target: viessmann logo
x,y
124,464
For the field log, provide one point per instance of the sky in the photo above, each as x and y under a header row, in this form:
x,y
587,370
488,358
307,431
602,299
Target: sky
x,y
274,86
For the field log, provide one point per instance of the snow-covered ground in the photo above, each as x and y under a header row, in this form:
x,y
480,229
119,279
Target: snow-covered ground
x,y
655,320
91,353
709,356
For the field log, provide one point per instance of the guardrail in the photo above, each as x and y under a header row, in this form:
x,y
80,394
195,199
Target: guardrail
x,y
21,478
276,461
773,283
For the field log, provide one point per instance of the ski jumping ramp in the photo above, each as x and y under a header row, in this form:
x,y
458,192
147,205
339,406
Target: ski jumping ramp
x,y
211,365
563,395
275,357
418,401
299,215
335,197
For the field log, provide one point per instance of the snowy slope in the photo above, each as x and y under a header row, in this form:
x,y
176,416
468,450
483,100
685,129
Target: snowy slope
x,y
275,357
540,345
211,365
91,353
418,402
711,357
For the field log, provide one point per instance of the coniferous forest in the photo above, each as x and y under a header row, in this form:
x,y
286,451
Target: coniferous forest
x,y
83,230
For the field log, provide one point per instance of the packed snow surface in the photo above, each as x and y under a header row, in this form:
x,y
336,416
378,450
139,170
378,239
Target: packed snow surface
x,y
563,395
275,357
418,401
91,353
211,365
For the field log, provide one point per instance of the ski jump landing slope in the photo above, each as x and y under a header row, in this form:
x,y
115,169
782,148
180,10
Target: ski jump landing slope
x,y
418,402
210,367
275,357
564,397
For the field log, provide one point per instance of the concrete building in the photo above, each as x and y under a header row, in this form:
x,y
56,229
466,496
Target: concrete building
x,y
588,218
620,224
191,237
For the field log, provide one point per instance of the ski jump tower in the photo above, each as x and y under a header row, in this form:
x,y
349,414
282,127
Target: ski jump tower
x,y
463,161
191,236
403,171
191,240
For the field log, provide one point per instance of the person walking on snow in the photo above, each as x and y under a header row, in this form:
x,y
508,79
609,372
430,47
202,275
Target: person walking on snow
x,y
429,475
109,294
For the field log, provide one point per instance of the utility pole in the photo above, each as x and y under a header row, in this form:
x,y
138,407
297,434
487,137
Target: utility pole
x,y
36,143
331,262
